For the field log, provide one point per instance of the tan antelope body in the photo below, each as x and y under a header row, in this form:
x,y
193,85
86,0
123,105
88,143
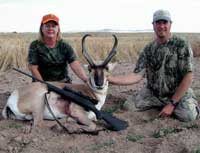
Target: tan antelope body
x,y
28,102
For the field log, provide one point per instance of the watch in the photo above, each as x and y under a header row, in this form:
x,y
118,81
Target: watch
x,y
173,102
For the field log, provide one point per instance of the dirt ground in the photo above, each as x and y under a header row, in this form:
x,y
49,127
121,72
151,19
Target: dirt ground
x,y
146,133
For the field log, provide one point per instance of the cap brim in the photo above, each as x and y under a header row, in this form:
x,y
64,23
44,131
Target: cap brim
x,y
50,20
162,18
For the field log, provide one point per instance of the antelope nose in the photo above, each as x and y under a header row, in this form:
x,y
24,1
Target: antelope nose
x,y
99,82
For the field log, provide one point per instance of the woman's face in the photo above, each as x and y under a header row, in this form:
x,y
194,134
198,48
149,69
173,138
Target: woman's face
x,y
50,29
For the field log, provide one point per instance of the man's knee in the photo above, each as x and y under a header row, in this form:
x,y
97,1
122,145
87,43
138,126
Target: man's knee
x,y
187,116
140,102
188,110
133,104
139,105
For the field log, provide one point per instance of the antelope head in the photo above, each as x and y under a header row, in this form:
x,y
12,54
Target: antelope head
x,y
98,71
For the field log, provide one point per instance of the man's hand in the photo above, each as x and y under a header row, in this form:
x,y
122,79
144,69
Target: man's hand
x,y
167,110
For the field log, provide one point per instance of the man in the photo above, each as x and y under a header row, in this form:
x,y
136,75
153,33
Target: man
x,y
167,64
49,55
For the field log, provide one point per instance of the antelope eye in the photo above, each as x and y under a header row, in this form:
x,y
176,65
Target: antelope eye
x,y
89,68
107,68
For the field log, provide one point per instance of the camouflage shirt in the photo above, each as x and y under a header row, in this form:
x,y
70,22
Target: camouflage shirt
x,y
52,62
165,65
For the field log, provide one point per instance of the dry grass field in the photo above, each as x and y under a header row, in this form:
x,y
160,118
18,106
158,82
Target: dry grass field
x,y
14,46
146,132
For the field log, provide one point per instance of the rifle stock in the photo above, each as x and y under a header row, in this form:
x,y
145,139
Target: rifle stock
x,y
82,100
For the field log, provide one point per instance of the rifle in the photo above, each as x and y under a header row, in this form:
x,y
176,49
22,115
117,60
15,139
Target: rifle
x,y
85,102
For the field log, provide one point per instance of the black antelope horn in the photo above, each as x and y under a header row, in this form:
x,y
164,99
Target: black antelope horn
x,y
85,53
112,52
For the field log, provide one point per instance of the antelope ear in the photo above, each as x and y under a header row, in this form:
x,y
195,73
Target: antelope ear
x,y
111,66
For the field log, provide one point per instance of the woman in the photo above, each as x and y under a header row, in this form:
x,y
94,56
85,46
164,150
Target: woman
x,y
49,56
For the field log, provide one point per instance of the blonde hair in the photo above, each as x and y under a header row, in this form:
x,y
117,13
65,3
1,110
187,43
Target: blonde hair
x,y
41,36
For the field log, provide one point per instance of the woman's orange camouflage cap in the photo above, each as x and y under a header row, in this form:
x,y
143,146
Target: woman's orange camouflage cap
x,y
49,17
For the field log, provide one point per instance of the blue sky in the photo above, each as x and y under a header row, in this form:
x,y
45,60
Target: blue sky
x,y
85,15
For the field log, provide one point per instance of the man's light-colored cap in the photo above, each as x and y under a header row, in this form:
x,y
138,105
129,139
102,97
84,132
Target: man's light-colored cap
x,y
162,15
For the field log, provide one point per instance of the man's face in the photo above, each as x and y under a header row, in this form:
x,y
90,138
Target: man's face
x,y
162,28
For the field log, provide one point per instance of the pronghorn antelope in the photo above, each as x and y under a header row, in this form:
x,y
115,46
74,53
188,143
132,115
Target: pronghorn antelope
x,y
28,102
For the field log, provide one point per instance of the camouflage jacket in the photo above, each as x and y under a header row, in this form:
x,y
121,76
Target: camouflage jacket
x,y
52,62
165,65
